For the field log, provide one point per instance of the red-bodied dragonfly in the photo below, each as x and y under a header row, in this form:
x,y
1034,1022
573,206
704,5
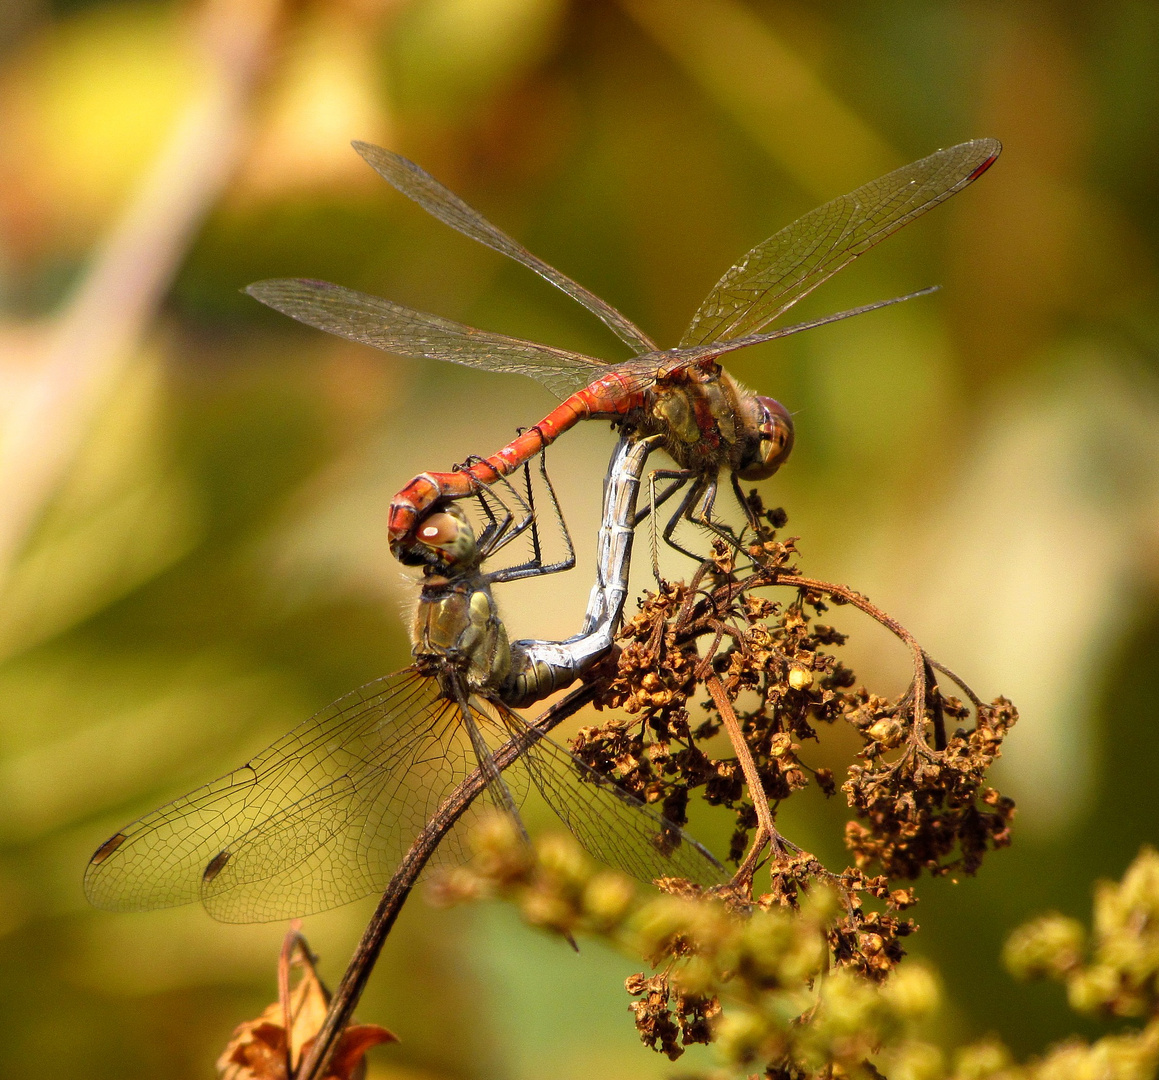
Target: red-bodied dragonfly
x,y
324,815
707,421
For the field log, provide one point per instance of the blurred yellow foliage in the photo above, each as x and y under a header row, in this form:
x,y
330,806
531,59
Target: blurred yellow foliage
x,y
86,105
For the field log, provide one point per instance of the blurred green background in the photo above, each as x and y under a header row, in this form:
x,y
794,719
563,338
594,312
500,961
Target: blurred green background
x,y
193,490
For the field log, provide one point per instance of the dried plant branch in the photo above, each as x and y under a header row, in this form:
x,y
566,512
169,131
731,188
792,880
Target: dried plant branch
x,y
767,832
345,1000
917,789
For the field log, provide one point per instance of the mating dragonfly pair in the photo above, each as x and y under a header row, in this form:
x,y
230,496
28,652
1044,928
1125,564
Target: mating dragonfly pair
x,y
324,815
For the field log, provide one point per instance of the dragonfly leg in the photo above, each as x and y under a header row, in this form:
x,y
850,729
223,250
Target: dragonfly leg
x,y
679,478
683,511
568,561
498,530
535,566
655,501
497,788
753,520
410,505
701,515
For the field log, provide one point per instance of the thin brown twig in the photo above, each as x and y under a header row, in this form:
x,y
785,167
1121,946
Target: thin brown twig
x,y
292,941
345,1000
975,700
767,833
766,830
862,603
700,613
694,627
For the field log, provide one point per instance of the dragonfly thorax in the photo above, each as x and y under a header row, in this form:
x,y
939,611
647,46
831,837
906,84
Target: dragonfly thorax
x,y
710,422
458,634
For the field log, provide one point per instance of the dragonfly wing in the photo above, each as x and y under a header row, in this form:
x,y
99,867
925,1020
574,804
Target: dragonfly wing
x,y
417,184
614,826
318,819
777,273
402,330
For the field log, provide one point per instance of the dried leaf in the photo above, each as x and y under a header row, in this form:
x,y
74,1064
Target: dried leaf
x,y
259,1049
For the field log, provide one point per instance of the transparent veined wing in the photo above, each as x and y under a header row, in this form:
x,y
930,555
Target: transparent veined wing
x,y
613,825
318,819
789,265
402,330
324,815
417,184
642,372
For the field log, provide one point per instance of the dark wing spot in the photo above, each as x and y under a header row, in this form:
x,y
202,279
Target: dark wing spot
x,y
107,848
215,867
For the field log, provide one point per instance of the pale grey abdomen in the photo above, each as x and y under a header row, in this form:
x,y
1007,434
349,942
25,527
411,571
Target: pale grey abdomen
x,y
539,668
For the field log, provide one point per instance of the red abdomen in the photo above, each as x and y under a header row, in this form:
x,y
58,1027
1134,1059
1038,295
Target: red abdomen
x,y
610,396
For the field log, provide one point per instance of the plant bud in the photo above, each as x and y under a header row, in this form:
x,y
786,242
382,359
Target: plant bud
x,y
541,907
981,1061
1051,945
917,1061
1093,989
499,850
912,991
607,898
561,857
739,1036
696,977
886,731
800,678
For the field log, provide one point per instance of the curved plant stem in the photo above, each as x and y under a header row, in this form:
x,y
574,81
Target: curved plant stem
x,y
847,595
345,1000
766,830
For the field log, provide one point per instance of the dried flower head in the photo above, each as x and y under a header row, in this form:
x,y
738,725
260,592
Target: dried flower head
x,y
270,1047
802,979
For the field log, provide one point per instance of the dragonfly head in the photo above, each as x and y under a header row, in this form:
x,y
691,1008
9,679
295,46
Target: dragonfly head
x,y
443,540
772,437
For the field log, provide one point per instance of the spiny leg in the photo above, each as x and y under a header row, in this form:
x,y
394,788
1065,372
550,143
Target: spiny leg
x,y
682,512
498,525
535,566
750,516
695,507
568,561
529,498
518,515
702,515
681,478
496,786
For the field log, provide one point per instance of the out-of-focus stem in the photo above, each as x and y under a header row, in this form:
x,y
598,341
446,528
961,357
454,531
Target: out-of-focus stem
x,y
97,333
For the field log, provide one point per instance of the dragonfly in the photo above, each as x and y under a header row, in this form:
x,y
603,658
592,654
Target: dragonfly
x,y
708,423
325,814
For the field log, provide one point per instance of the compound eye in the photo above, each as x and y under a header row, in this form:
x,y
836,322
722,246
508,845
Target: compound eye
x,y
776,440
778,433
438,530
448,535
